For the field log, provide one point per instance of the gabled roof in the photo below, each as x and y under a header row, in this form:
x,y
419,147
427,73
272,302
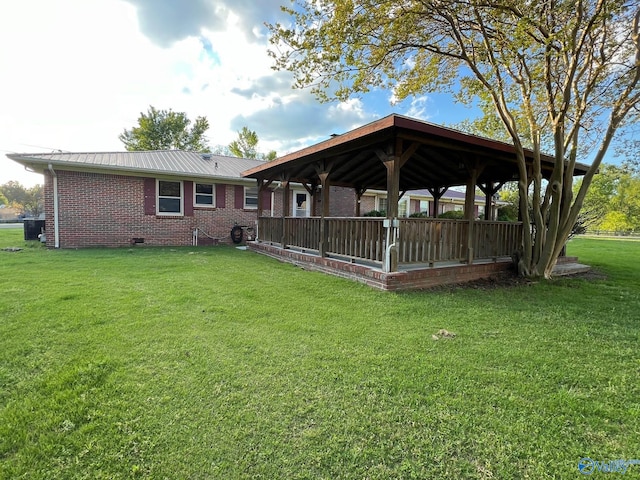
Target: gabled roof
x,y
158,162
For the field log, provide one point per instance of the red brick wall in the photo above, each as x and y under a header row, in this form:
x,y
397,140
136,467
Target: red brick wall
x,y
342,202
367,204
108,210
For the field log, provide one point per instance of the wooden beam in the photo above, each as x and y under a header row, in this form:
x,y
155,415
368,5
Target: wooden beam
x,y
408,153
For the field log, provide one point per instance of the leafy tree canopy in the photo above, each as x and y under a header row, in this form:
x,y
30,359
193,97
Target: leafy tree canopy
x,y
613,201
166,130
246,146
29,201
560,76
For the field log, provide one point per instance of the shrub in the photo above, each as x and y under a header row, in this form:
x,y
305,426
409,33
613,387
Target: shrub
x,y
376,213
453,214
419,215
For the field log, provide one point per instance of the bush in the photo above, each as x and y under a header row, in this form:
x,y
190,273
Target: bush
x,y
453,214
419,215
508,213
376,213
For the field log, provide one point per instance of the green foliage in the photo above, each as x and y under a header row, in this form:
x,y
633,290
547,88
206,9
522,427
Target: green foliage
x,y
559,77
452,214
613,201
376,213
179,363
508,213
246,146
615,221
419,215
166,130
29,201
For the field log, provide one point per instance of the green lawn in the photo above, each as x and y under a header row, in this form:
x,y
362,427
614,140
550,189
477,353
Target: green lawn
x,y
201,363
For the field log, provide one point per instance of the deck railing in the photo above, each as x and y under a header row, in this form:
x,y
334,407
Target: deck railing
x,y
420,240
430,240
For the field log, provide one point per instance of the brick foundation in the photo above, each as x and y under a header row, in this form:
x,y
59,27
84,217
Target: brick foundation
x,y
395,281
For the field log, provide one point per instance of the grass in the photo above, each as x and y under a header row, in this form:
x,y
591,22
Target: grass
x,y
220,363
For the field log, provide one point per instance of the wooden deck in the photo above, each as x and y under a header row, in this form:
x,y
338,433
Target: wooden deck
x,y
417,240
429,251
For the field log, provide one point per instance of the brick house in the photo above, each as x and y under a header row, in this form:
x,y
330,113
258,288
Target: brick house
x,y
421,201
116,199
156,198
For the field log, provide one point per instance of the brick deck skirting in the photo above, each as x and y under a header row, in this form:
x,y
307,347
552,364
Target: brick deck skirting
x,y
395,281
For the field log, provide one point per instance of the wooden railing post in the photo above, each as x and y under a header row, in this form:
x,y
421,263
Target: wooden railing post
x,y
286,194
324,239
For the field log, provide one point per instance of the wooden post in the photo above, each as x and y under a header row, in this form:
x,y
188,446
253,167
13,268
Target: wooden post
x,y
312,188
359,192
393,163
286,194
488,204
323,174
489,189
260,189
436,193
469,210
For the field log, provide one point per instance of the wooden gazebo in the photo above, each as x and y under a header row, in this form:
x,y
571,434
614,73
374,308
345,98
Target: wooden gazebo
x,y
396,154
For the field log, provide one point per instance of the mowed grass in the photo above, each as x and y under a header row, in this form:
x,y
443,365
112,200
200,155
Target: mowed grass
x,y
201,363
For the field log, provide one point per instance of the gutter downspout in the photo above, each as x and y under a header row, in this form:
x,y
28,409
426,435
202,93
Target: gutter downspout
x,y
56,232
392,239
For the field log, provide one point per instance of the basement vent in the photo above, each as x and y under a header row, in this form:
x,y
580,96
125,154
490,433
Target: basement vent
x,y
135,240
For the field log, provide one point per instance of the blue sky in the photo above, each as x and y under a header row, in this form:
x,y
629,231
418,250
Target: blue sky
x,y
76,73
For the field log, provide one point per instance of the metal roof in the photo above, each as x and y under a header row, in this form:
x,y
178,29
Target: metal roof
x,y
165,162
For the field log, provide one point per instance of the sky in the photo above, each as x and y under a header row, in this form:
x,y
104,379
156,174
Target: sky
x,y
75,73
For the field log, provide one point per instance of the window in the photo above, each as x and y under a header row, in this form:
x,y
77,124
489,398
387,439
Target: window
x,y
382,204
251,198
403,208
203,195
169,197
424,206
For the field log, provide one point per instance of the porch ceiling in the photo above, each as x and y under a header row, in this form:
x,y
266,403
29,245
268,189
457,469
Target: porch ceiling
x,y
433,157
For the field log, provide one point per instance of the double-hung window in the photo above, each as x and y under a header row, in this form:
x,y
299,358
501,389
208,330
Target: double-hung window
x,y
204,195
250,198
170,197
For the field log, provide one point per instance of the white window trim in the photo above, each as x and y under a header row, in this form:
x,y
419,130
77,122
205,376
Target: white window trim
x,y
250,207
169,214
213,195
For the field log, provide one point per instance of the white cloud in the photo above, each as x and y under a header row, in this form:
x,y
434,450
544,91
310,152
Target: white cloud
x,y
77,73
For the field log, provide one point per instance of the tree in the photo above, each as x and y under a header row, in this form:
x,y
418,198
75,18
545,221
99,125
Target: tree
x,y
29,201
246,146
613,200
166,130
558,74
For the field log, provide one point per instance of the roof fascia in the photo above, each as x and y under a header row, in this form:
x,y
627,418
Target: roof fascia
x,y
40,165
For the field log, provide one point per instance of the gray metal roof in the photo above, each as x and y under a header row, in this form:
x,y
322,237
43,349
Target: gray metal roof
x,y
167,162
